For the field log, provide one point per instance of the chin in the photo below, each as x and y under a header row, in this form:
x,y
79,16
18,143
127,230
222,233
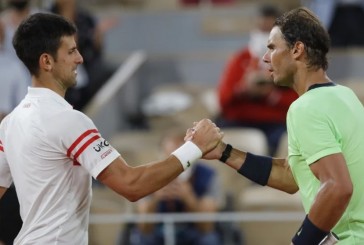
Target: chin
x,y
277,82
281,82
72,84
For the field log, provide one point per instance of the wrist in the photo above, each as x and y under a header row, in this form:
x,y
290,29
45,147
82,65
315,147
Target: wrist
x,y
226,153
256,168
187,154
309,233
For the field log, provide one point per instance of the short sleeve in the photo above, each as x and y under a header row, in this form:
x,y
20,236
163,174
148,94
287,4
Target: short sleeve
x,y
312,133
82,142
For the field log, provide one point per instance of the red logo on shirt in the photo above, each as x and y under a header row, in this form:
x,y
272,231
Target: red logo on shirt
x,y
106,153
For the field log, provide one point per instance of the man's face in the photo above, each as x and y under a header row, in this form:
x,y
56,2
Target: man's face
x,y
279,59
68,58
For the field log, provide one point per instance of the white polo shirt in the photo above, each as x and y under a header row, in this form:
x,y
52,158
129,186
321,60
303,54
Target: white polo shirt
x,y
51,151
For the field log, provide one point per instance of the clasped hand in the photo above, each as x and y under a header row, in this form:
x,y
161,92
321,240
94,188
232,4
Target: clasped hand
x,y
208,137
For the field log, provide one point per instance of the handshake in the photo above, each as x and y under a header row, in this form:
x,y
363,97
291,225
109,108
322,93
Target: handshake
x,y
208,138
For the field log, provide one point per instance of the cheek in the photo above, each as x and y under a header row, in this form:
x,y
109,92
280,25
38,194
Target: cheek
x,y
275,58
279,62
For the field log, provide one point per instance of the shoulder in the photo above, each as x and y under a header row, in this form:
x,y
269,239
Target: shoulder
x,y
71,118
300,108
69,123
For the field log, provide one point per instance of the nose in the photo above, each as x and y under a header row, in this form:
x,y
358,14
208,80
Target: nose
x,y
266,58
79,59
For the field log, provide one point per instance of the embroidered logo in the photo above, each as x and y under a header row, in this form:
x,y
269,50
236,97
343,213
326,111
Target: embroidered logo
x,y
101,145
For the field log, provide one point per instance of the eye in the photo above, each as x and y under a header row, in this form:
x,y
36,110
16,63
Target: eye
x,y
72,51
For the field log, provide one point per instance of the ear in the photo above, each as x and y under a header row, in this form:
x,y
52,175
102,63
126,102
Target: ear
x,y
45,62
298,49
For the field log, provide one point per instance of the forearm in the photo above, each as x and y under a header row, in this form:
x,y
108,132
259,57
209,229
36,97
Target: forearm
x,y
329,205
136,182
152,177
280,176
236,159
330,201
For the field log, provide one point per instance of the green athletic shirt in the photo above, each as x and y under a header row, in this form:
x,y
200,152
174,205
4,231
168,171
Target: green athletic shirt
x,y
329,119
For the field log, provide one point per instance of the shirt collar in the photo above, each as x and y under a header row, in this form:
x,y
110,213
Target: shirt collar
x,y
45,92
319,85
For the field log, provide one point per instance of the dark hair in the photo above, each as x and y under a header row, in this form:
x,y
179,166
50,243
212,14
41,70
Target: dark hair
x,y
40,33
302,25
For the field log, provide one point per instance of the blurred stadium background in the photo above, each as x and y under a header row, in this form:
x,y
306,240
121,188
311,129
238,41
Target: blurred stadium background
x,y
170,59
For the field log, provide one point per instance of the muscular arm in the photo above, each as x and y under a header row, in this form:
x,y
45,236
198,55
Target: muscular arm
x,y
280,177
2,191
335,191
136,182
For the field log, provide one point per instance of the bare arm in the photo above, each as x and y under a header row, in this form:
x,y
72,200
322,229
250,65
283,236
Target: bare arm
x,y
2,191
137,182
335,191
280,177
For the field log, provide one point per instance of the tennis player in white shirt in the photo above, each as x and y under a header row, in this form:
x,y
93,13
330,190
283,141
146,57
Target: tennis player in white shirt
x,y
51,151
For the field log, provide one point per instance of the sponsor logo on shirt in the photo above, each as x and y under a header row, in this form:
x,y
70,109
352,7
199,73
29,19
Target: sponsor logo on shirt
x,y
106,153
101,145
27,105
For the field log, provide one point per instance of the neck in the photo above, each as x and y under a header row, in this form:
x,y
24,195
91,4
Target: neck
x,y
55,86
305,79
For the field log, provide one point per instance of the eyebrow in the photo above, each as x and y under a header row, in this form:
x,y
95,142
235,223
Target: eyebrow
x,y
73,48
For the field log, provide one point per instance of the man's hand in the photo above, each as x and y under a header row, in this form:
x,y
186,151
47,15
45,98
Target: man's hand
x,y
215,153
205,134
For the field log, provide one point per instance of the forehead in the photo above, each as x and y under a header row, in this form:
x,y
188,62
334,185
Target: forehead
x,y
68,42
276,37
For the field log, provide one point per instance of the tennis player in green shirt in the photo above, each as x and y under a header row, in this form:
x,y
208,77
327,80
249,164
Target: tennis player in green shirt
x,y
325,128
